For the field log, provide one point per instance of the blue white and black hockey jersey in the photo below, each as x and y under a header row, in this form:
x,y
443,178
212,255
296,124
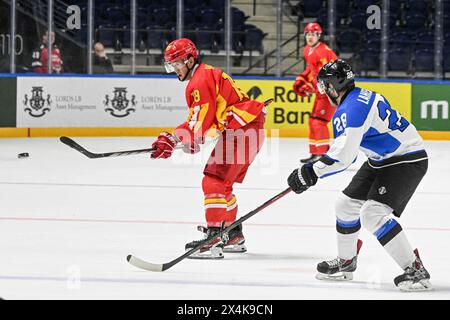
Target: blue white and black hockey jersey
x,y
366,121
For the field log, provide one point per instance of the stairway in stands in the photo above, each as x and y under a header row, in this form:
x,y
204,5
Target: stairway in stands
x,y
263,15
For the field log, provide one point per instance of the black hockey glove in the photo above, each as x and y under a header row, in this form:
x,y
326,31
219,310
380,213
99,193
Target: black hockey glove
x,y
301,179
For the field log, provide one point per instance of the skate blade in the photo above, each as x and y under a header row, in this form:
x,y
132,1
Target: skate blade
x,y
214,253
340,276
205,257
409,286
237,248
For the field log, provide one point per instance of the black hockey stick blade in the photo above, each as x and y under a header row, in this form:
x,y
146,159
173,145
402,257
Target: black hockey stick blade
x,y
139,263
71,143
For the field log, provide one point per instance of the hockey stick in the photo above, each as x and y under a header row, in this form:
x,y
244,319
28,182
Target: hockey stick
x,y
71,143
223,233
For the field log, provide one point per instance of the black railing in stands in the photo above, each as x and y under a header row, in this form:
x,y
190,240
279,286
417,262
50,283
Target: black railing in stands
x,y
287,7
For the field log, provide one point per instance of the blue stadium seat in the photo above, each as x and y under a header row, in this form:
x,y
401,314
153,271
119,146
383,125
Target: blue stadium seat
x,y
395,8
249,26
373,45
349,40
402,39
155,37
236,39
424,60
417,6
107,37
238,18
447,40
312,7
169,36
142,15
447,21
254,40
143,24
191,4
217,4
169,2
362,5
370,60
415,21
399,60
152,7
125,38
358,21
114,14
343,6
446,7
120,23
210,18
190,35
373,35
163,17
205,38
446,61
189,18
322,17
425,40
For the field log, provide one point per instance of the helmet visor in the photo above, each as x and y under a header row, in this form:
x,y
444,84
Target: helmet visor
x,y
174,66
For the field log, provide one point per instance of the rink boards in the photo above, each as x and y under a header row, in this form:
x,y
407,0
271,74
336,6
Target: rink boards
x,y
79,105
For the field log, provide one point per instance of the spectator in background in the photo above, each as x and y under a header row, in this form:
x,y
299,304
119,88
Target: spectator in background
x,y
40,56
101,62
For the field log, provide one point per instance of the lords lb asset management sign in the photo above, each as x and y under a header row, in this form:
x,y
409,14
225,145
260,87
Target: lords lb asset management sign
x,y
48,102
430,109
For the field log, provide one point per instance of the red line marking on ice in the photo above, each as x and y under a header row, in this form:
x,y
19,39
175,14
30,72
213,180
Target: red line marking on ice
x,y
279,225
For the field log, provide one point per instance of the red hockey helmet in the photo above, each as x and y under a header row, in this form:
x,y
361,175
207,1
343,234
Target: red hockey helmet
x,y
179,49
313,27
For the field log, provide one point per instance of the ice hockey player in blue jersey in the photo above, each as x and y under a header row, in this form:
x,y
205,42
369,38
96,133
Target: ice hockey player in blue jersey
x,y
397,161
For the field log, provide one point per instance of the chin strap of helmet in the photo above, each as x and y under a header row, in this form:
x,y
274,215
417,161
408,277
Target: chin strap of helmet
x,y
189,70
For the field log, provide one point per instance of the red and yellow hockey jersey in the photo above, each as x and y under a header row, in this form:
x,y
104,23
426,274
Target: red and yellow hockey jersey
x,y
316,58
215,101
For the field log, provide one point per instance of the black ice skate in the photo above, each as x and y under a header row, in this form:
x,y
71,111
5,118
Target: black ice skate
x,y
236,241
213,250
415,278
338,269
313,158
233,242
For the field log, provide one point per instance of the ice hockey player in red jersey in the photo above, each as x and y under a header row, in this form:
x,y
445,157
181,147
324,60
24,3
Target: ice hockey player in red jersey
x,y
316,54
40,56
214,102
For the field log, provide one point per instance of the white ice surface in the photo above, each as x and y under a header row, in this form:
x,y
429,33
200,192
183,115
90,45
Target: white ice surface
x,y
67,224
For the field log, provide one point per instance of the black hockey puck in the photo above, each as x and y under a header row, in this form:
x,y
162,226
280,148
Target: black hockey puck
x,y
23,155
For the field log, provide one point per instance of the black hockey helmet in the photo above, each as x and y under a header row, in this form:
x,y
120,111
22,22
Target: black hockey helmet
x,y
337,75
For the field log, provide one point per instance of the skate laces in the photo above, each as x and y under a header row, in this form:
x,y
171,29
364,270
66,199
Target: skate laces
x,y
337,262
416,270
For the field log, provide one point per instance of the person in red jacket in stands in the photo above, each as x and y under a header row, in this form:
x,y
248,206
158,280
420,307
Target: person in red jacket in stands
x,y
40,56
316,54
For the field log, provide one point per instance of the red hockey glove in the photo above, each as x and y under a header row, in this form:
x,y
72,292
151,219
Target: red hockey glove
x,y
164,146
305,90
299,82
